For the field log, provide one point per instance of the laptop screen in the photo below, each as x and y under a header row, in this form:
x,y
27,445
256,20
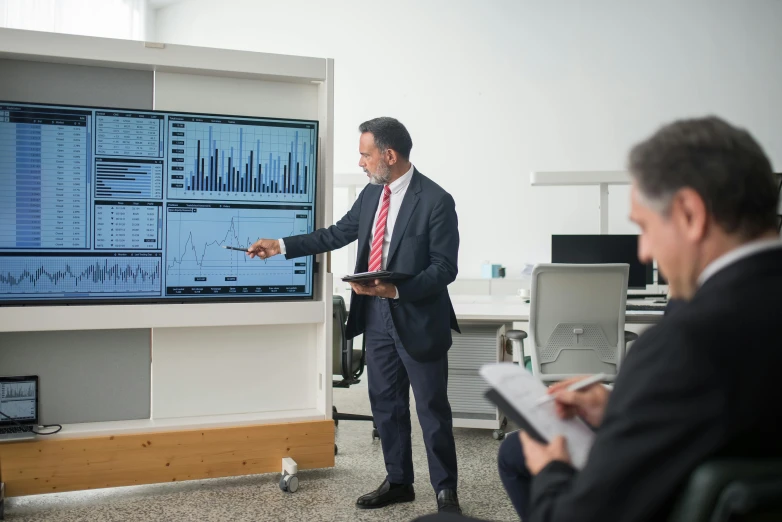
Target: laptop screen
x,y
19,400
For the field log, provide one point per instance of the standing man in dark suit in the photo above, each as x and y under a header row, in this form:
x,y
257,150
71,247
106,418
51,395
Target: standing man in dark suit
x,y
404,223
699,384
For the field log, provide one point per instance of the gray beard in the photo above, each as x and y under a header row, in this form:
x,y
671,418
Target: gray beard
x,y
381,177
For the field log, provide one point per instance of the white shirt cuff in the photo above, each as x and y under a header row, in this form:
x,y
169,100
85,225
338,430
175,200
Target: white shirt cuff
x,y
397,292
282,246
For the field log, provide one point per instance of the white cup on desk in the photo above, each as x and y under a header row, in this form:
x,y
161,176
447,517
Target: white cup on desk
x,y
524,293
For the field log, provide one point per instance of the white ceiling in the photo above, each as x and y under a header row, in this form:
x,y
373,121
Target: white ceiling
x,y
157,4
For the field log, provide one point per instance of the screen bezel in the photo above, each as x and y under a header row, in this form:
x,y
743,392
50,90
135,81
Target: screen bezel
x,y
34,422
175,300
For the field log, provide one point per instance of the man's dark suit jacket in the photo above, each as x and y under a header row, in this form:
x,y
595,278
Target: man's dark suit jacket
x,y
703,383
424,244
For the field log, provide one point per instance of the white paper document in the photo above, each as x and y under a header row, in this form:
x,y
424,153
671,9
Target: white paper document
x,y
522,391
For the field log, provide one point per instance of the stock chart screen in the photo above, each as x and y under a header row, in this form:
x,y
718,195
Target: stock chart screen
x,y
102,205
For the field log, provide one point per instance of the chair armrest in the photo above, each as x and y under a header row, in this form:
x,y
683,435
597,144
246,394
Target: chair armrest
x,y
630,336
745,497
514,335
719,488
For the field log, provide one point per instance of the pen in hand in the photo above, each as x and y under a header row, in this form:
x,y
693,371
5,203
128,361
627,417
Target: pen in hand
x,y
583,383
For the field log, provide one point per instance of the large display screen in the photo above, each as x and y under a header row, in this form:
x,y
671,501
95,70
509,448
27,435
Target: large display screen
x,y
110,205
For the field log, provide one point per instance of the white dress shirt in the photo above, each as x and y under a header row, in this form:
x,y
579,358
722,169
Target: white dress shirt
x,y
398,191
737,254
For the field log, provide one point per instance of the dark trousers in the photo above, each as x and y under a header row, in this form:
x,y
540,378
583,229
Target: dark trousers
x,y
514,474
391,372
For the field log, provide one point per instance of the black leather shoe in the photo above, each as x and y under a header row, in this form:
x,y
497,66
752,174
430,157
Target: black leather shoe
x,y
385,495
448,502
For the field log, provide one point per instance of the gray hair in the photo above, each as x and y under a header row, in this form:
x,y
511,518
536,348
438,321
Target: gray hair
x,y
389,133
722,163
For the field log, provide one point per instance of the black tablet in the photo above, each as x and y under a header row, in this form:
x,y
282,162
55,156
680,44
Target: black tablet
x,y
383,275
517,418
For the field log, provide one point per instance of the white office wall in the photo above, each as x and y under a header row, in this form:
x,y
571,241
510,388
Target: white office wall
x,y
492,90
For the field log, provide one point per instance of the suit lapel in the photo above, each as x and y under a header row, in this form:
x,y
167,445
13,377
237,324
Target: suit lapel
x,y
405,213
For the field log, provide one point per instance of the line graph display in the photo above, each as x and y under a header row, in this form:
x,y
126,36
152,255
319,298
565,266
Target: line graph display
x,y
198,265
47,275
252,160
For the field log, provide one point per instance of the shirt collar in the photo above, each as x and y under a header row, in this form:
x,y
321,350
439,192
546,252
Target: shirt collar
x,y
737,254
402,182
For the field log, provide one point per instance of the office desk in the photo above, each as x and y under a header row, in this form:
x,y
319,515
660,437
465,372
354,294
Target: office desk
x,y
484,321
509,309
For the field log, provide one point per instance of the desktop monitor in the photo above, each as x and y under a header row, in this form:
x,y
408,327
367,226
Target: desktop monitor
x,y
597,249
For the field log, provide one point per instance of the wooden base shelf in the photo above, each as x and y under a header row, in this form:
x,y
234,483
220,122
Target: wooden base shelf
x,y
49,466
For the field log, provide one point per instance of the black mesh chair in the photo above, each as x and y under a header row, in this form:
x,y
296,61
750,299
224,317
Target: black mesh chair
x,y
347,362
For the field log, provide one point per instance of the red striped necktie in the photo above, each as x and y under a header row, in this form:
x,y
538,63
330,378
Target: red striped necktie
x,y
376,252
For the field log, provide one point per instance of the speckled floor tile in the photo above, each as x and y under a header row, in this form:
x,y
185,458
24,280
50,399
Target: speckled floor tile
x,y
326,494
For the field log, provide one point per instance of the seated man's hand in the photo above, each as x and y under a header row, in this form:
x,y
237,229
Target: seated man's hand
x,y
378,289
537,456
588,403
264,248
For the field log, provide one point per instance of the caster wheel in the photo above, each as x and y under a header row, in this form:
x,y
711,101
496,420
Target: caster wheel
x,y
375,434
498,434
289,483
336,450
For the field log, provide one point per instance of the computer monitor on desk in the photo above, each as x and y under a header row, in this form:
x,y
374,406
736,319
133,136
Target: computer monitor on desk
x,y
604,248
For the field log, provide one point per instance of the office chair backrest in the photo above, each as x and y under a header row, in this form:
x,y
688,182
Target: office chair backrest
x,y
339,346
577,319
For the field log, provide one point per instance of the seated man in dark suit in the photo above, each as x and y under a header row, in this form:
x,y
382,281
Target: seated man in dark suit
x,y
699,384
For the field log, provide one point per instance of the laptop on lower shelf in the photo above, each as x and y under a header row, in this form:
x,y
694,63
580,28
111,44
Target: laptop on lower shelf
x,y
18,407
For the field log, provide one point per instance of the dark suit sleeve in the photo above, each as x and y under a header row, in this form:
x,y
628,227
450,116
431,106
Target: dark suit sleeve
x,y
664,417
443,254
326,239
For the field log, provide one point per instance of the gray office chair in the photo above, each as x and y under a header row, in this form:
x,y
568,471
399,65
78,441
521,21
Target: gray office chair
x,y
347,362
577,319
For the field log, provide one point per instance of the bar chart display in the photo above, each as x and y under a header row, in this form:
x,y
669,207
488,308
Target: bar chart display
x,y
44,159
44,276
139,179
241,160
197,263
103,205
18,400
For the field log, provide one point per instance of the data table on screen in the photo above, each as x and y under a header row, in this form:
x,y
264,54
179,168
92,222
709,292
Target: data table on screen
x,y
44,161
128,225
128,134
